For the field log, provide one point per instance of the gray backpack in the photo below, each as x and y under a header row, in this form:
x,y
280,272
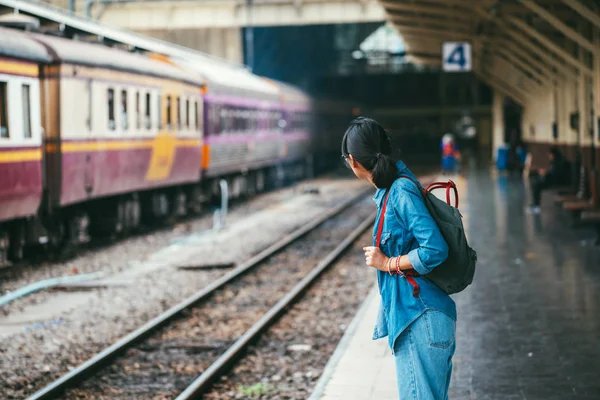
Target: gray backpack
x,y
456,273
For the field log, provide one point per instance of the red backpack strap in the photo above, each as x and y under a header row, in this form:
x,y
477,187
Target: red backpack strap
x,y
381,219
448,186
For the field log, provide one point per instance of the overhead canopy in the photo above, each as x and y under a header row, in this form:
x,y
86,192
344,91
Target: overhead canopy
x,y
518,46
69,25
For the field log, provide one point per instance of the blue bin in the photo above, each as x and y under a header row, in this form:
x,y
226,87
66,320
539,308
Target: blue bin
x,y
502,159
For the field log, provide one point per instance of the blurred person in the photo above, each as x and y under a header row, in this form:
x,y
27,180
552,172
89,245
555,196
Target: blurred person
x,y
513,157
450,154
522,156
558,173
418,318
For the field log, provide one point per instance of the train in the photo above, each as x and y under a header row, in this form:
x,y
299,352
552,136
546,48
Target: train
x,y
95,140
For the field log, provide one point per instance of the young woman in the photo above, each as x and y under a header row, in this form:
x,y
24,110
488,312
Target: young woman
x,y
418,318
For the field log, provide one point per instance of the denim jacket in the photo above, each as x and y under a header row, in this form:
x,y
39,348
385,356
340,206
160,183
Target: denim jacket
x,y
408,229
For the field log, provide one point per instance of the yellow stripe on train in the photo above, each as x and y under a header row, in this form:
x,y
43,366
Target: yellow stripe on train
x,y
15,156
103,145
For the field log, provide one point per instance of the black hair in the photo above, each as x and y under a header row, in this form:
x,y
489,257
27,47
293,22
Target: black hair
x,y
370,145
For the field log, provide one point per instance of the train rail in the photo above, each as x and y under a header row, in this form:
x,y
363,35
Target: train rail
x,y
176,317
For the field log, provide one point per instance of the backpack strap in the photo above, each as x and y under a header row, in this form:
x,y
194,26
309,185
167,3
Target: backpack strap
x,y
410,274
450,185
381,219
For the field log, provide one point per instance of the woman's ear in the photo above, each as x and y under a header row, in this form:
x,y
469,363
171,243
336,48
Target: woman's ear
x,y
352,161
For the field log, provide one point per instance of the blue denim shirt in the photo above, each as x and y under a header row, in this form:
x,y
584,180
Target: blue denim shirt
x,y
408,229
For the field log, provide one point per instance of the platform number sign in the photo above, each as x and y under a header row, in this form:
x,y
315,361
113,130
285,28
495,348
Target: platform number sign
x,y
456,56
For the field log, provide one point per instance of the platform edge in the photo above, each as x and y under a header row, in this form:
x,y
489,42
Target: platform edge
x,y
342,345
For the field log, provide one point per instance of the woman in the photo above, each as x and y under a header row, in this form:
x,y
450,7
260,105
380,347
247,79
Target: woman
x,y
417,317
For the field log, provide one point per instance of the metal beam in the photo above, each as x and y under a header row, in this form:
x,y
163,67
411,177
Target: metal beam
x,y
501,87
585,12
434,31
554,63
430,9
525,42
431,21
501,65
518,62
559,25
513,90
459,3
185,14
550,45
59,16
517,51
455,16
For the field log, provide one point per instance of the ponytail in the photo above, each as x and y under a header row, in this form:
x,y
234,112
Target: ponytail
x,y
384,171
369,144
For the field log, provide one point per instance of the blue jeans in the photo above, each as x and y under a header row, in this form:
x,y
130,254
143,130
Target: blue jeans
x,y
423,355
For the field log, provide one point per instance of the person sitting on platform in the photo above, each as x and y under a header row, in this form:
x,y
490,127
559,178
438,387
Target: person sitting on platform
x,y
557,174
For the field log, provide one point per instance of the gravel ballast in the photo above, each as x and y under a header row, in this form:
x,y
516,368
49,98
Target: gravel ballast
x,y
169,360
49,348
288,360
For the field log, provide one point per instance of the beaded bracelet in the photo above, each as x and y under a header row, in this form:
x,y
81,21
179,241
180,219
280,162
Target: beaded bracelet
x,y
398,271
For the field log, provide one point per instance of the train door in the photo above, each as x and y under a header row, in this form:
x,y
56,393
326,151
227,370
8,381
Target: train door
x,y
201,125
89,173
50,100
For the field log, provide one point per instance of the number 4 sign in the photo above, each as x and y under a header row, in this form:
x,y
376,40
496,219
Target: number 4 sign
x,y
456,56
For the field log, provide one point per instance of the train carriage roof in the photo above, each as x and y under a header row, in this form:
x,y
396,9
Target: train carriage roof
x,y
17,44
223,78
97,55
290,94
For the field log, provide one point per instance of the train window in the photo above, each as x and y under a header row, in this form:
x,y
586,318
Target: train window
x,y
224,120
90,108
147,114
25,97
214,120
159,114
235,120
187,113
124,115
111,110
3,110
179,113
169,112
138,111
196,111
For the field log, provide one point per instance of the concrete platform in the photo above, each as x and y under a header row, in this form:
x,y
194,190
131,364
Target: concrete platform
x,y
529,325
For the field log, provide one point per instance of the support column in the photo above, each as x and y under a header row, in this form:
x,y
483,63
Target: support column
x,y
497,123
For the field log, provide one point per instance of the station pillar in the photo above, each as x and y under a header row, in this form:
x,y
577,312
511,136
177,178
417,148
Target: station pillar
x,y
497,123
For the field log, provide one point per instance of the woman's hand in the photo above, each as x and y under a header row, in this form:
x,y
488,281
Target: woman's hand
x,y
375,258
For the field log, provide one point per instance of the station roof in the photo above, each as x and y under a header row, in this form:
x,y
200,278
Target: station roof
x,y
228,76
62,21
518,46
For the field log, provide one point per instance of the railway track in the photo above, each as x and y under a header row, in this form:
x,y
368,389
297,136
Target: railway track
x,y
199,339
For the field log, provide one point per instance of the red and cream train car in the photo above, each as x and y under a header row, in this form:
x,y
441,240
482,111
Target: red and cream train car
x,y
21,165
95,139
120,128
122,139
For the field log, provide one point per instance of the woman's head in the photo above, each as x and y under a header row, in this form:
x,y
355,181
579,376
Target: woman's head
x,y
367,150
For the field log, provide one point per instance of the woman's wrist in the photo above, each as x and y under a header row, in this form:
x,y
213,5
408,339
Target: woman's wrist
x,y
386,264
395,265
